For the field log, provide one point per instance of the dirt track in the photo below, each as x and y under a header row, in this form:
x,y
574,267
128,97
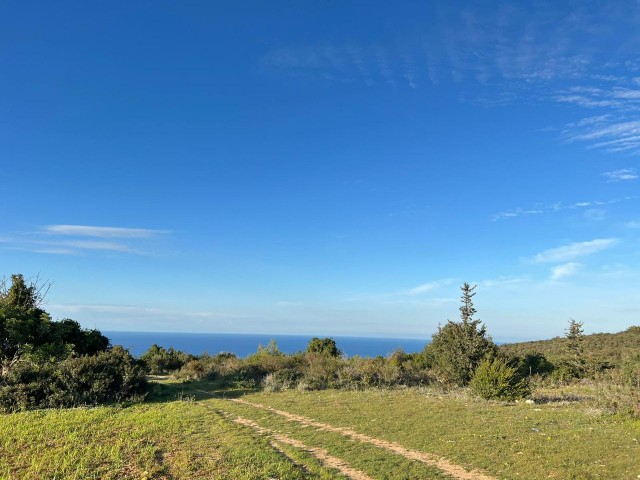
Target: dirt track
x,y
441,463
320,453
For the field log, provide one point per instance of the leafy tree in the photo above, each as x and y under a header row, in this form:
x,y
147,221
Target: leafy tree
x,y
22,323
457,348
323,346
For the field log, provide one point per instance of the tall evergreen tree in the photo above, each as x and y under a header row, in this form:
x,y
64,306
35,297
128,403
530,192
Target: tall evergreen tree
x,y
458,347
574,335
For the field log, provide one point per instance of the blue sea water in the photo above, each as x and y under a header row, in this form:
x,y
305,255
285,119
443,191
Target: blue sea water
x,y
246,344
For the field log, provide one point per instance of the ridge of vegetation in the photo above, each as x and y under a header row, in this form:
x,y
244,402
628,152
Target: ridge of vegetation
x,y
606,349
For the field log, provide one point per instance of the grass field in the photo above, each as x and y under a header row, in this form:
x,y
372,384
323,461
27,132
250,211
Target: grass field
x,y
187,433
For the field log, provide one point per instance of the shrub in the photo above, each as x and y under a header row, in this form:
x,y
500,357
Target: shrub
x,y
495,379
324,346
110,376
281,380
159,360
532,363
320,371
631,371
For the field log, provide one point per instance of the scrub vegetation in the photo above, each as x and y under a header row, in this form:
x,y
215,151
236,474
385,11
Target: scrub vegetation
x,y
462,408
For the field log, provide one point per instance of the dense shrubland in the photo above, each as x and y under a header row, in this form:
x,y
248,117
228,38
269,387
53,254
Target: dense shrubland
x,y
45,363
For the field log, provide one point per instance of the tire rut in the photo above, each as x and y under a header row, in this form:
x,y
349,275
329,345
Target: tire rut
x,y
278,439
430,459
441,463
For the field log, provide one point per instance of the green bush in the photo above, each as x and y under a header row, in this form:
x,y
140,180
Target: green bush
x,y
495,379
110,376
631,371
324,346
285,379
159,360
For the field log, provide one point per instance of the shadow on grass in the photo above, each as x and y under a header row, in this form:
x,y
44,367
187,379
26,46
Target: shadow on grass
x,y
167,391
562,398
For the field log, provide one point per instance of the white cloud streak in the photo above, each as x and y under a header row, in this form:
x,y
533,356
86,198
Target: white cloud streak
x,y
502,282
78,240
574,250
101,232
427,287
565,270
625,174
556,207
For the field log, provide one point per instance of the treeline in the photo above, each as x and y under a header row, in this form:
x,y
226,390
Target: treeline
x,y
44,363
461,354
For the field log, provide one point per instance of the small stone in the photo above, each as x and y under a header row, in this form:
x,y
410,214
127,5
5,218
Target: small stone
x,y
529,401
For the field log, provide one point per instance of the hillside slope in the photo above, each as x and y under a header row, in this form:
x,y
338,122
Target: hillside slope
x,y
612,348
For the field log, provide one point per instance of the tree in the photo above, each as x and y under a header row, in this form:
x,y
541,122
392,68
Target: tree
x,y
22,323
21,296
28,333
323,346
457,348
574,335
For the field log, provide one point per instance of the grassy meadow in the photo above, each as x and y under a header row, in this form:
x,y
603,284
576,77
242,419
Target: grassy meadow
x,y
185,432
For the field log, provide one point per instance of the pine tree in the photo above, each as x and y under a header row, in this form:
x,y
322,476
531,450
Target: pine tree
x,y
574,335
458,347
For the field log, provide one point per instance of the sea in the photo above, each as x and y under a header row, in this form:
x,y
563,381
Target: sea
x,y
245,344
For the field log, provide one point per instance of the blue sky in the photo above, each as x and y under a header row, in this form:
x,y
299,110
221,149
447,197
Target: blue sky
x,y
323,168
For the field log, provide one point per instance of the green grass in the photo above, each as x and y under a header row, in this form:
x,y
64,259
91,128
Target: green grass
x,y
171,438
564,441
163,440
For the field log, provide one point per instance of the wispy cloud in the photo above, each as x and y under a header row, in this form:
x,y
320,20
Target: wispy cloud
x,y
101,232
82,239
137,311
504,54
78,308
502,281
565,270
518,212
622,175
574,250
399,295
429,286
556,207
99,245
